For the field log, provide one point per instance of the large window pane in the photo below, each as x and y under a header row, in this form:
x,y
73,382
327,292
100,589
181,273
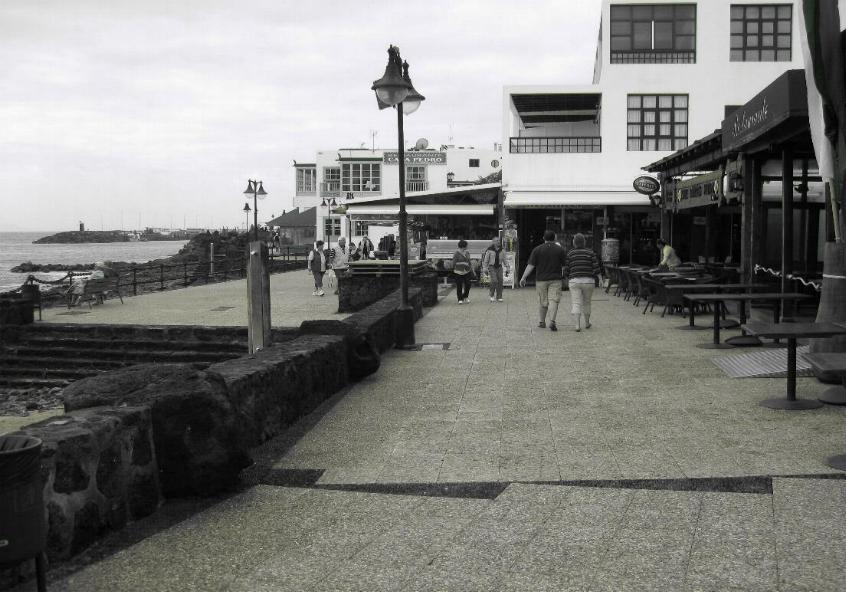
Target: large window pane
x,y
659,124
759,25
642,36
663,35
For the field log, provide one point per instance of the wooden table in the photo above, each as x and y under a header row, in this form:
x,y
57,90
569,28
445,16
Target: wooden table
x,y
717,288
742,298
792,332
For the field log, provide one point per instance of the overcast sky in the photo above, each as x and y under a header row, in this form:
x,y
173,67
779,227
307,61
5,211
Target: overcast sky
x,y
156,112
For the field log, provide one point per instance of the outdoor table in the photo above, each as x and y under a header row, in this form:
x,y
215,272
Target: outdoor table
x,y
776,297
831,363
792,332
717,288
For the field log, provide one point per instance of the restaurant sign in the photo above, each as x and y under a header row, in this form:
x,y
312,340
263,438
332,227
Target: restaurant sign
x,y
646,185
416,157
784,98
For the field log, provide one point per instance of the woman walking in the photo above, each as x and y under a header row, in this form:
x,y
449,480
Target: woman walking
x,y
462,270
581,269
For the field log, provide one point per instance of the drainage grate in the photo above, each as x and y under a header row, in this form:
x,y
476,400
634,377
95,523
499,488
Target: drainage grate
x,y
429,346
73,312
221,308
770,363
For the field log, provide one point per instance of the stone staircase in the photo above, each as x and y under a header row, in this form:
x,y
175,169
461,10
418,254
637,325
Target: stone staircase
x,y
47,355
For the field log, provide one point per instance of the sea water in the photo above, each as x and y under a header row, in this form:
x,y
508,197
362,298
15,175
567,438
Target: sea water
x,y
17,248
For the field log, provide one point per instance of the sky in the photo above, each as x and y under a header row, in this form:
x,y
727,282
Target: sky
x,y
132,114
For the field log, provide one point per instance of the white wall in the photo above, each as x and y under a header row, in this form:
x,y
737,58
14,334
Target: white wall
x,y
711,83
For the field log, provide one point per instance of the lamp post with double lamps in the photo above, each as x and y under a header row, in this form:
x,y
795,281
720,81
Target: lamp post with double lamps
x,y
255,189
394,89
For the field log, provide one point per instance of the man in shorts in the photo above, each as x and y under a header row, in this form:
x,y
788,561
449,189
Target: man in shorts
x,y
547,261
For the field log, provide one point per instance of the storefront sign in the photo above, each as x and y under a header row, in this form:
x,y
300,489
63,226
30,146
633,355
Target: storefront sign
x,y
784,98
602,221
700,221
416,157
646,185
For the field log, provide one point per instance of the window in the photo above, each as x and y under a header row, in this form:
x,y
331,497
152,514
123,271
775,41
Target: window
x,y
361,176
653,34
657,122
306,180
360,227
474,163
331,226
761,33
415,173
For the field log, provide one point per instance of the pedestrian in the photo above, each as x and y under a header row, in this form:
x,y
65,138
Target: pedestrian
x,y
463,271
341,260
581,269
492,265
366,246
669,259
317,267
548,260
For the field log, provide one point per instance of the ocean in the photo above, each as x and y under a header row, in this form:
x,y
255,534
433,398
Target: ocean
x,y
17,248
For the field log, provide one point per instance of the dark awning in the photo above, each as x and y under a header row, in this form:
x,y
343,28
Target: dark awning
x,y
557,108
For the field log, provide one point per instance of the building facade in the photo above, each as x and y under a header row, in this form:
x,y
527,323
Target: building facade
x,y
339,182
666,73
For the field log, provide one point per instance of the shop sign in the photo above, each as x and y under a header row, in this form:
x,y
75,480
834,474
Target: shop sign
x,y
602,221
700,220
646,185
415,157
785,97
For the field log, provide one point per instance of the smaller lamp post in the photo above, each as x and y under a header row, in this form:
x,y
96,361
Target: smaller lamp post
x,y
255,189
247,211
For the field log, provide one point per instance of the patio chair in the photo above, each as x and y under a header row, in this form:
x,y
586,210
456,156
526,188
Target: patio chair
x,y
656,293
613,277
640,292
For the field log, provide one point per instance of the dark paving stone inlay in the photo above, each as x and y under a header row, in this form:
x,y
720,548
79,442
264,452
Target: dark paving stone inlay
x,y
221,308
492,489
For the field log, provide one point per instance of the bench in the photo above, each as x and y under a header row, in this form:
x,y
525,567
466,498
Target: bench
x,y
96,290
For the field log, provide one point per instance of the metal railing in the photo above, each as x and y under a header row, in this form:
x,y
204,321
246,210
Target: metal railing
x,y
556,144
152,277
653,57
417,185
331,189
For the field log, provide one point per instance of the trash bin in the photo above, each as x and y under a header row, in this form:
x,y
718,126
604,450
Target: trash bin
x,y
23,530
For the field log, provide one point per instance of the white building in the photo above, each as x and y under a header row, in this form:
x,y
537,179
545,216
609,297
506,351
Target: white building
x,y
666,73
356,190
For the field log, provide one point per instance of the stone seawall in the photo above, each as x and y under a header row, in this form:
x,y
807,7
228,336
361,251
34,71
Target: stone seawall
x,y
133,437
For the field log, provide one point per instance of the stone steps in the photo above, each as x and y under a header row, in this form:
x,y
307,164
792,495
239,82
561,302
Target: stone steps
x,y
54,354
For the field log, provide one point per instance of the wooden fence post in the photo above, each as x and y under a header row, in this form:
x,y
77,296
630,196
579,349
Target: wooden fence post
x,y
258,297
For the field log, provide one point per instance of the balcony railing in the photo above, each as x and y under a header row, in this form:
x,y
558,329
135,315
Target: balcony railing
x,y
566,144
417,185
331,189
306,190
653,57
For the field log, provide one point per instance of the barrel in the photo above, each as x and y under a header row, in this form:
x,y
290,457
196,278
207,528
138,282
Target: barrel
x,y
610,250
23,530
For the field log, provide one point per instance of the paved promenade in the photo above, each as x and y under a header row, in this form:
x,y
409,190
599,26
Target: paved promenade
x,y
617,458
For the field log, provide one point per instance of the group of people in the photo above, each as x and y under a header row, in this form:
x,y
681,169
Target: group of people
x,y
552,266
321,260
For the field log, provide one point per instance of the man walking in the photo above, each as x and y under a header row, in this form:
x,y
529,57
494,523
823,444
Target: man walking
x,y
341,261
548,259
317,267
492,267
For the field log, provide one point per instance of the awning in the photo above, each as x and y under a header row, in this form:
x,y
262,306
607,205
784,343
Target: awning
x,y
423,210
553,199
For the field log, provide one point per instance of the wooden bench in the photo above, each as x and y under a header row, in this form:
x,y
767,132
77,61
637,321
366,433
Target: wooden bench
x,y
96,290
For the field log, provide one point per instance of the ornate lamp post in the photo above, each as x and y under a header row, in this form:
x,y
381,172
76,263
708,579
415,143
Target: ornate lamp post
x,y
255,189
394,89
247,211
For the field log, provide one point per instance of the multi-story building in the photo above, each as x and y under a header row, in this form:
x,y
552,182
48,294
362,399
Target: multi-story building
x,y
356,190
666,73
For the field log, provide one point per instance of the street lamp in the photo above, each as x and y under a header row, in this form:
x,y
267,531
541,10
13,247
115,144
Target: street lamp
x,y
394,89
255,189
247,212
